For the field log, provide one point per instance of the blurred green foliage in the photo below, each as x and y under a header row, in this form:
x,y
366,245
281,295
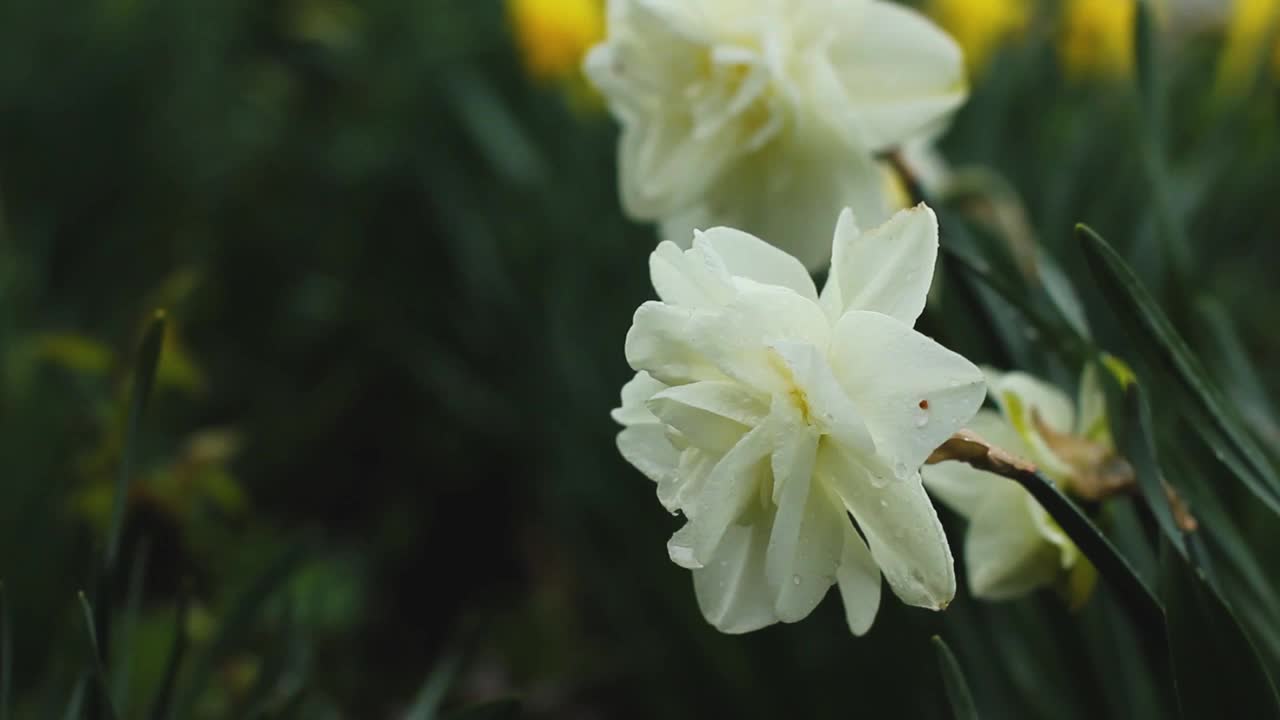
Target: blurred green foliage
x,y
377,475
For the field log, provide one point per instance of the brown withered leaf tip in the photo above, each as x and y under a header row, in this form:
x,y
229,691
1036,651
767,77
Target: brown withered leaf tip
x,y
968,447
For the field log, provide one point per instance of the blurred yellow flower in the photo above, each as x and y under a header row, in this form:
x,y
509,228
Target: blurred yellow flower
x,y
981,26
1097,37
553,35
1251,27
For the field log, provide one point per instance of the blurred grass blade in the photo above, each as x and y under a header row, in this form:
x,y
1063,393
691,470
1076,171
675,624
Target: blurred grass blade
x,y
1165,348
1131,427
1069,340
75,700
100,672
426,704
1217,667
6,657
177,651
1133,594
144,376
237,625
962,705
133,604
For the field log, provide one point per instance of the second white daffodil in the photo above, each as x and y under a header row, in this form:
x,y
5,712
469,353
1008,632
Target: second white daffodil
x,y
1012,546
769,414
766,115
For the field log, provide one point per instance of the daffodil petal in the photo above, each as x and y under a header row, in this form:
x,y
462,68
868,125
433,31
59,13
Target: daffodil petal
x,y
1004,552
961,487
647,449
858,578
712,415
735,339
748,256
901,73
661,342
805,545
912,392
889,269
688,278
902,530
635,393
730,586
732,484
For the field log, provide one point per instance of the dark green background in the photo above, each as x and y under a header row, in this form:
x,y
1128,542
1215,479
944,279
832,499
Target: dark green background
x,y
403,275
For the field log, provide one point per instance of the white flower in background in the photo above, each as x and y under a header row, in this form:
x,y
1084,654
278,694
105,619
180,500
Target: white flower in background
x,y
765,115
767,414
1013,546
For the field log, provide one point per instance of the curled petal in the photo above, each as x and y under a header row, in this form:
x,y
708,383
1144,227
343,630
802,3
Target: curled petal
x,y
635,393
747,256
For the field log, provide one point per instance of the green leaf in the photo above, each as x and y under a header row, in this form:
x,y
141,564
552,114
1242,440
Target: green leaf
x,y
160,705
962,705
1133,594
144,376
1131,429
237,624
75,700
1216,666
100,672
1071,342
6,657
133,605
426,704
1164,347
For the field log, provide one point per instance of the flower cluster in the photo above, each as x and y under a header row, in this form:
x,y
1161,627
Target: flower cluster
x,y
767,115
1013,546
768,414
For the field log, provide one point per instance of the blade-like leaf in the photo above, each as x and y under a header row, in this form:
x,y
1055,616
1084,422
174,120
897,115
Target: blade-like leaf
x,y
99,671
1068,339
75,699
1217,667
426,705
1131,429
962,705
177,651
144,376
1143,606
1165,348
237,625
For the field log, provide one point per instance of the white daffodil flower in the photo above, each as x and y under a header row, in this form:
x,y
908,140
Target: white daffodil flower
x,y
768,414
1012,546
766,115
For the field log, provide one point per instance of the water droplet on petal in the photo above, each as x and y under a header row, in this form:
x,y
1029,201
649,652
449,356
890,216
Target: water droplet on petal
x,y
922,419
795,579
884,503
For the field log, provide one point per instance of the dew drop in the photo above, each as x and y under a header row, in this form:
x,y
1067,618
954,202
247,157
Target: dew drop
x,y
795,579
922,419
884,503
